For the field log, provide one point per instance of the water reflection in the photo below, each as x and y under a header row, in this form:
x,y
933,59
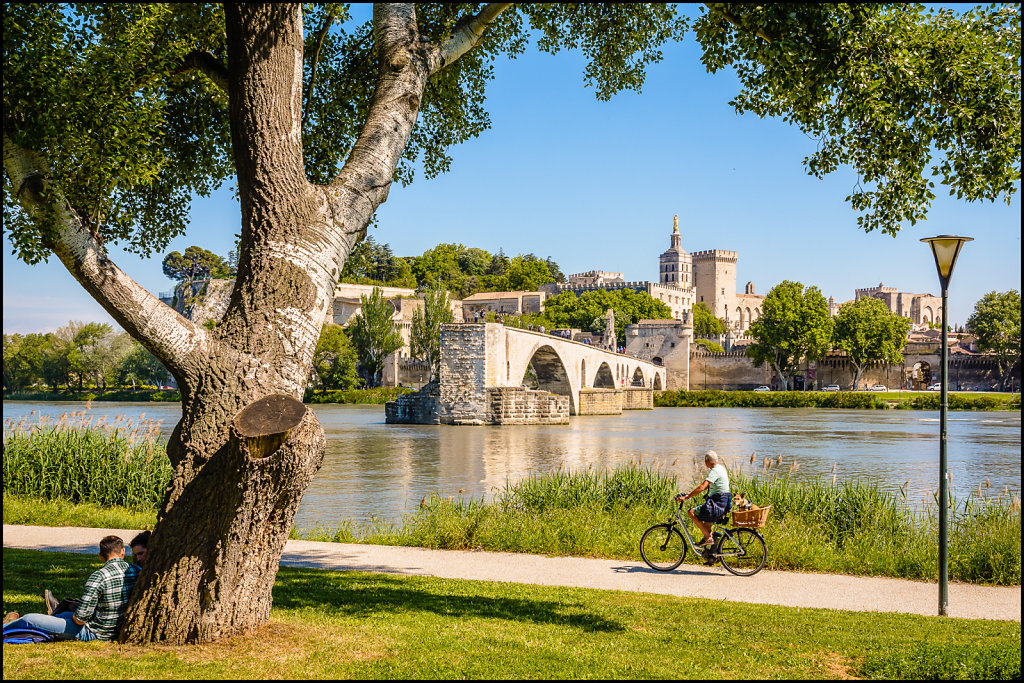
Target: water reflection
x,y
373,469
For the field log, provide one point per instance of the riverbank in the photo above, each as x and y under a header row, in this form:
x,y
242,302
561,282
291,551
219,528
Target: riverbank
x,y
337,625
859,400
845,527
379,395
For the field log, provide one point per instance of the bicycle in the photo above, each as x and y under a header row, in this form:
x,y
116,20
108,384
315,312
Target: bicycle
x,y
741,550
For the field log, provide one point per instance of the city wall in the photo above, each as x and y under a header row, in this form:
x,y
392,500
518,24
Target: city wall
x,y
733,370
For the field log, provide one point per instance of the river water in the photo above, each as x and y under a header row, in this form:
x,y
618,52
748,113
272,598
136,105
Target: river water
x,y
373,469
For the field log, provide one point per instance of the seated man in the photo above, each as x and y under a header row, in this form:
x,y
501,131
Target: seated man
x,y
139,546
98,615
717,502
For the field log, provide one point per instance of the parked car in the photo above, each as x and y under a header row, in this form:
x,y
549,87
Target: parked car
x,y
879,387
831,387
762,388
935,387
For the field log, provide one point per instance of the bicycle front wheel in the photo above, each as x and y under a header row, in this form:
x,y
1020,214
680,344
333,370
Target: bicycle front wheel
x,y
662,547
743,552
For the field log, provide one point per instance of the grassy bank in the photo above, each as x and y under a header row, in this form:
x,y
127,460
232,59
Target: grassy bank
x,y
378,395
919,400
73,471
337,625
95,394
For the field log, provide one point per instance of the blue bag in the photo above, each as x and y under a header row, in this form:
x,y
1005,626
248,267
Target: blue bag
x,y
21,635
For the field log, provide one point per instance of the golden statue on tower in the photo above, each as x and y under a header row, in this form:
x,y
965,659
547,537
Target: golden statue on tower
x,y
675,224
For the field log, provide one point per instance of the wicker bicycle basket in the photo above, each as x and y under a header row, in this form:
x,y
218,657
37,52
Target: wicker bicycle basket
x,y
755,519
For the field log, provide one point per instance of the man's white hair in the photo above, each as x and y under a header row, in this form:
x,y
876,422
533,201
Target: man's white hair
x,y
711,457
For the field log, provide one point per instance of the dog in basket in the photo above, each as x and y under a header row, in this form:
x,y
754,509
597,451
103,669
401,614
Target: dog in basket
x,y
742,503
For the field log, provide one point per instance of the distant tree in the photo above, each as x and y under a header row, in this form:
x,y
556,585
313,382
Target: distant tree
x,y
555,271
335,360
139,366
474,261
55,369
195,264
528,273
712,346
22,360
794,326
705,324
867,331
85,348
996,324
374,335
425,340
587,310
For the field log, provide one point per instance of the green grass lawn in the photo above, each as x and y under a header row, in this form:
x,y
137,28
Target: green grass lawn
x,y
330,625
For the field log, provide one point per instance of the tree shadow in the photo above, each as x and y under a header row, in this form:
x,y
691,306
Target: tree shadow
x,y
362,595
26,573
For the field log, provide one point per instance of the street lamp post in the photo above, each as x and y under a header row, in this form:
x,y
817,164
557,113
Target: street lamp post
x,y
945,249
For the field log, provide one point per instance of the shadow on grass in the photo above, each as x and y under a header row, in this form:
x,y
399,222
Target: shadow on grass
x,y
366,594
28,572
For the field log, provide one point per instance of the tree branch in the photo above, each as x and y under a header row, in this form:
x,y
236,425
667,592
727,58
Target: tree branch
x,y
204,61
467,36
731,18
169,336
320,35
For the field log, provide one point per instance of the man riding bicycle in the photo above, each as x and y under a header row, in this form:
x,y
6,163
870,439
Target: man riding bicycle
x,y
717,502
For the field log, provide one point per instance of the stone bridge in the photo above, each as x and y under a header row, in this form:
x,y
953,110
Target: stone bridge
x,y
492,374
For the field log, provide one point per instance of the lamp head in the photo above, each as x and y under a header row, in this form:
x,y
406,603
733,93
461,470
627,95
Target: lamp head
x,y
946,249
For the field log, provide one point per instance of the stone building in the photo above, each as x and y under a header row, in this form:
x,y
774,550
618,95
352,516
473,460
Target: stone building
x,y
714,279
505,303
400,368
663,342
921,309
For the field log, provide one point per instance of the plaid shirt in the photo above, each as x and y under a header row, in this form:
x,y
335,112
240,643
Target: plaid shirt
x,y
106,596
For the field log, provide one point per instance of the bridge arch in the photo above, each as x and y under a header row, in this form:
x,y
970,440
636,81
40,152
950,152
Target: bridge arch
x,y
638,378
604,379
551,373
657,382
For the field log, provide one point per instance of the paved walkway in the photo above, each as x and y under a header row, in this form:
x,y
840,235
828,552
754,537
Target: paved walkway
x,y
792,589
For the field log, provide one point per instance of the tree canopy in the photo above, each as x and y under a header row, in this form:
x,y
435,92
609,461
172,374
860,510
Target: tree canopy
x,y
196,264
996,323
867,331
425,335
705,324
374,335
587,311
794,326
902,94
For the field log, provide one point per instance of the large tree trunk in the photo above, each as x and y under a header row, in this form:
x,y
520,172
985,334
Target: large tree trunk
x,y
215,552
246,448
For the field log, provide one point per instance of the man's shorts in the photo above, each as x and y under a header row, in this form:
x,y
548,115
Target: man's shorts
x,y
715,507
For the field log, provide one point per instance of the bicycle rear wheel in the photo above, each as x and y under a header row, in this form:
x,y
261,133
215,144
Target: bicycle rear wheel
x,y
662,547
743,552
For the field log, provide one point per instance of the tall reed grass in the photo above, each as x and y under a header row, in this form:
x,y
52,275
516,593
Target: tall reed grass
x,y
82,460
851,527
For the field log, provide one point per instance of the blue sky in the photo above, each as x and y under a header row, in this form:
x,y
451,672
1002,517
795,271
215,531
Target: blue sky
x,y
594,185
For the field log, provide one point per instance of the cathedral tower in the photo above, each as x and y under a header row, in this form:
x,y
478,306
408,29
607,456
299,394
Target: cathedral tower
x,y
675,264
